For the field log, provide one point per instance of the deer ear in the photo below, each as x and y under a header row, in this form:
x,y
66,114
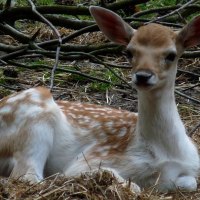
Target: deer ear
x,y
112,25
189,36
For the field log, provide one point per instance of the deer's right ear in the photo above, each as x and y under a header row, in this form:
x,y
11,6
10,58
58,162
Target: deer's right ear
x,y
189,36
112,25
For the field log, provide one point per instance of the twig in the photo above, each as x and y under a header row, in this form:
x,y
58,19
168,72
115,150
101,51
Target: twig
x,y
118,66
13,54
9,87
190,10
191,54
191,87
113,50
86,55
58,36
188,97
45,196
87,161
11,48
173,12
7,29
155,10
3,62
69,37
8,4
191,133
87,48
79,32
94,58
61,70
145,21
125,3
188,72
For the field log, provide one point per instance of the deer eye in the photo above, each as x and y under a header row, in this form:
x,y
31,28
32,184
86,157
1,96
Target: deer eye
x,y
128,54
170,57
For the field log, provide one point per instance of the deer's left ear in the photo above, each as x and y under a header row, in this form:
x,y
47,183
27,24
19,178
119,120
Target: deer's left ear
x,y
112,25
189,36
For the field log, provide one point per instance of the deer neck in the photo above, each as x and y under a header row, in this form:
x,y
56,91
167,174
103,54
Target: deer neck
x,y
158,117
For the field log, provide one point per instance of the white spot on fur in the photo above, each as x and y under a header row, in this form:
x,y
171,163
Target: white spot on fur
x,y
109,124
27,110
122,131
6,109
95,124
16,98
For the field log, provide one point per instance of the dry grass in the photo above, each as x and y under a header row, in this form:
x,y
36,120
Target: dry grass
x,y
99,185
95,186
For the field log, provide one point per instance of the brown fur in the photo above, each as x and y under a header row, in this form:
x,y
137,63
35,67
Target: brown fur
x,y
107,135
158,36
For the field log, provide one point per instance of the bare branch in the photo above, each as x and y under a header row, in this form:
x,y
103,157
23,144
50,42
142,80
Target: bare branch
x,y
7,29
59,40
62,70
187,97
155,10
173,12
9,4
191,133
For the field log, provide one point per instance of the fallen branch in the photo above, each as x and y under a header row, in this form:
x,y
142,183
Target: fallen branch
x,y
191,87
41,66
191,133
187,97
188,72
173,12
155,10
9,30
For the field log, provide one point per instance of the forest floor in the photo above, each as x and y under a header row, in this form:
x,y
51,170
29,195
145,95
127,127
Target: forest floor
x,y
100,185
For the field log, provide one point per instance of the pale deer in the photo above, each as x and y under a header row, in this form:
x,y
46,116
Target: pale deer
x,y
40,137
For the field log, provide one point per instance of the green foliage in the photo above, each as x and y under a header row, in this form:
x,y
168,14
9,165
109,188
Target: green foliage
x,y
42,62
2,77
21,3
45,2
97,86
6,80
4,92
37,2
61,78
157,4
104,74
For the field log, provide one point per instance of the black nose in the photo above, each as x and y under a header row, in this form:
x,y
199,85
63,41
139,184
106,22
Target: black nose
x,y
143,77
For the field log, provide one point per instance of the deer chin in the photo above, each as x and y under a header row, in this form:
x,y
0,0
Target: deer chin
x,y
150,88
143,87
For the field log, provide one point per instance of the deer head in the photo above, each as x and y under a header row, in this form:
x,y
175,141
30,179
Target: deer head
x,y
152,50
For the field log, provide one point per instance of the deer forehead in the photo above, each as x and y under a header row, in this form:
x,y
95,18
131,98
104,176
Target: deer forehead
x,y
155,36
